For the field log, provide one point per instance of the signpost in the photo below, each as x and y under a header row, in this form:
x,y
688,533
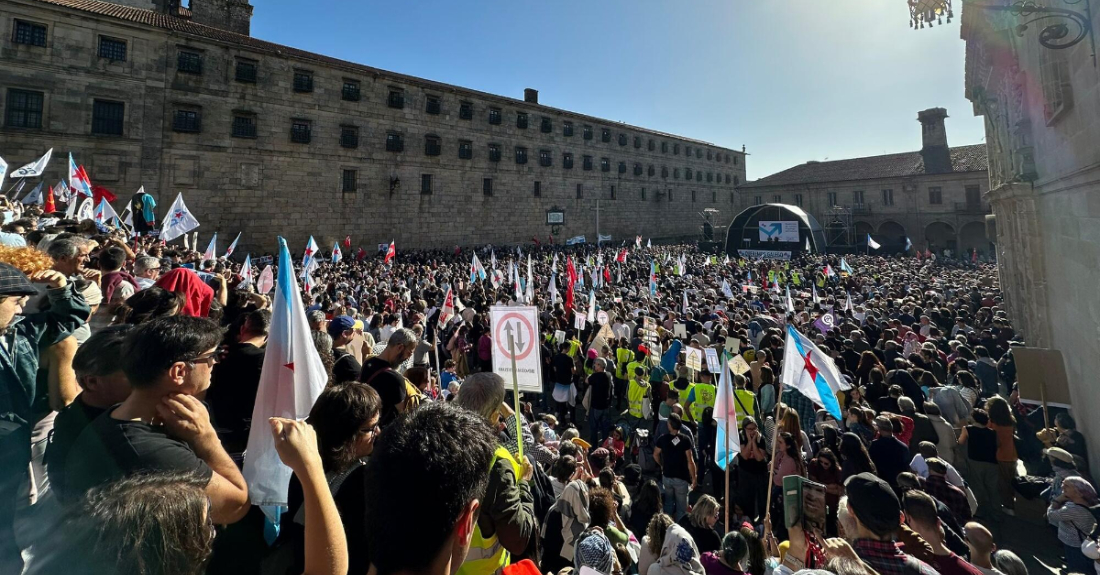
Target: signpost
x,y
520,363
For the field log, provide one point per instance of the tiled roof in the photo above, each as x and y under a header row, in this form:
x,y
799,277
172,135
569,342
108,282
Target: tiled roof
x,y
963,159
186,26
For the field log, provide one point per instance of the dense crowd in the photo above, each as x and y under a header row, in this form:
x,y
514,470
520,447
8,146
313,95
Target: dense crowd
x,y
129,372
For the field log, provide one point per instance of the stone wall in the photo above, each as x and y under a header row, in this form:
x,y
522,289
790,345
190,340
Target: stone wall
x,y
911,214
267,186
1042,114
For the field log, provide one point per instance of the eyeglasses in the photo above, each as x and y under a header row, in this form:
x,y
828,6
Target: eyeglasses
x,y
371,430
207,359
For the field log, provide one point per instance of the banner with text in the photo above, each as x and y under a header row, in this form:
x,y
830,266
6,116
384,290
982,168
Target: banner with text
x,y
778,231
764,254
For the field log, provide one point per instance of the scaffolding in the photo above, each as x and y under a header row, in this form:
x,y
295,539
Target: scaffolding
x,y
838,227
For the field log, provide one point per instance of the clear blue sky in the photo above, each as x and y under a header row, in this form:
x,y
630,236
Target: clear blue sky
x,y
792,80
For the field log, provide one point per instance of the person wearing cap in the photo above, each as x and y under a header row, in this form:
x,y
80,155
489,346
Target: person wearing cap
x,y
21,339
876,512
1061,461
342,331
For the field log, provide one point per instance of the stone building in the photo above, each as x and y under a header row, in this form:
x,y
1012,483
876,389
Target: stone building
x,y
269,139
932,196
1038,90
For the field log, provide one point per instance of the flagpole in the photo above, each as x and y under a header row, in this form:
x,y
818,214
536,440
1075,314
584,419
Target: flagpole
x,y
438,366
771,466
726,499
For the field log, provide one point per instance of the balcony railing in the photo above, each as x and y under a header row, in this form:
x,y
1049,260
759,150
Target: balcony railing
x,y
861,208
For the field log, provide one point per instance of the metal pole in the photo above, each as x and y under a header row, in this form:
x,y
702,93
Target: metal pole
x,y
515,397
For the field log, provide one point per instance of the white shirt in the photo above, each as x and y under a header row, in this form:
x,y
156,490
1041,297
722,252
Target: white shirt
x,y
921,468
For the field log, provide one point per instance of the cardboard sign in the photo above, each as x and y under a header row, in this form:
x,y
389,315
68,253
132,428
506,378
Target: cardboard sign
x,y
1041,374
693,358
601,317
579,321
516,341
679,330
738,365
733,345
713,364
649,323
559,336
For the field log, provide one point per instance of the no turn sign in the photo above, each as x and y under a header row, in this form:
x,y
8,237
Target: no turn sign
x,y
516,333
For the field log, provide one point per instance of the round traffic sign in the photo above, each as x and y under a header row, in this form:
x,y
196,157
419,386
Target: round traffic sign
x,y
524,335
601,318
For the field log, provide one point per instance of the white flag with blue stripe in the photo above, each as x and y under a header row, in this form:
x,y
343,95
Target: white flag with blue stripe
x,y
725,410
812,372
872,243
291,379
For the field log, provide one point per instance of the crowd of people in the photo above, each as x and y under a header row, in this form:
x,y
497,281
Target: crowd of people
x,y
129,371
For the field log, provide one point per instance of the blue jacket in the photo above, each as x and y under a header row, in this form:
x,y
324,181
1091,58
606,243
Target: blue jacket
x,y
24,340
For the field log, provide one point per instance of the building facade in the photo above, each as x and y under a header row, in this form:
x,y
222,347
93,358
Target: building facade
x,y
1041,107
934,196
271,140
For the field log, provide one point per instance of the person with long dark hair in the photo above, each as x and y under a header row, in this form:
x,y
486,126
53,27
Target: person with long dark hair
x,y
752,470
854,456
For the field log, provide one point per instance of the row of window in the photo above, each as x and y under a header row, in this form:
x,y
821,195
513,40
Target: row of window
x,y
190,61
350,184
24,110
935,197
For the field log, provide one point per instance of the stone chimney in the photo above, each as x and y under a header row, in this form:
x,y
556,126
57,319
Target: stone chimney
x,y
531,95
231,15
934,150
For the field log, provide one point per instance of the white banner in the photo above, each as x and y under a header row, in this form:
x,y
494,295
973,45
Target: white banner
x,y
521,324
764,254
574,240
778,231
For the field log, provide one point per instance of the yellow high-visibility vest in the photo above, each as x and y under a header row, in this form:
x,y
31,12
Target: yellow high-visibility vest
x,y
635,395
487,556
704,397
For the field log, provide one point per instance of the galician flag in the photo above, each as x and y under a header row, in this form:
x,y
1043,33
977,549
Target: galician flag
x,y
3,171
844,267
908,244
233,245
246,272
104,213
553,288
78,179
448,310
35,168
726,291
311,251
872,243
336,254
812,372
652,279
591,306
725,413
177,221
790,302
477,271
291,379
685,302
813,291
211,248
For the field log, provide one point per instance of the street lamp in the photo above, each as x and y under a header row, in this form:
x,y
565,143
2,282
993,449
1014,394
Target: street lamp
x,y
929,12
1062,27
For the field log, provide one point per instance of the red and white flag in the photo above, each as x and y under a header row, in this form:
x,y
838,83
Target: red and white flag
x,y
233,245
391,252
448,310
621,258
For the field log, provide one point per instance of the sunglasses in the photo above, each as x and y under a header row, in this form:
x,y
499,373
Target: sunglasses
x,y
210,359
